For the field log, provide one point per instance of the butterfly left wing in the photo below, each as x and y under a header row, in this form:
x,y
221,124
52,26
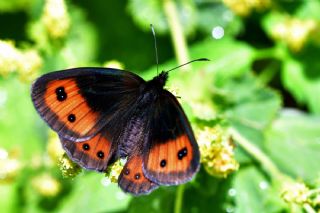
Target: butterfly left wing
x,y
77,103
171,153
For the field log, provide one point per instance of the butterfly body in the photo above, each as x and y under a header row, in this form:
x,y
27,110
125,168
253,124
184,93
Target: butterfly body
x,y
104,114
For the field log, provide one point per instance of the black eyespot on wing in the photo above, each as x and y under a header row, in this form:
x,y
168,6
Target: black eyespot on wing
x,y
85,146
137,176
71,118
100,154
163,163
182,153
127,171
61,94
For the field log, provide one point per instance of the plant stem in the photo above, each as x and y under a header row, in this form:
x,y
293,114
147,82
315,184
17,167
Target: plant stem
x,y
308,208
278,52
260,156
176,31
314,191
181,52
267,75
179,199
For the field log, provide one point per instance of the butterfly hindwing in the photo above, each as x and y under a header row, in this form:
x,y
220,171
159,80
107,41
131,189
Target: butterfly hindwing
x,y
132,178
78,103
93,154
171,154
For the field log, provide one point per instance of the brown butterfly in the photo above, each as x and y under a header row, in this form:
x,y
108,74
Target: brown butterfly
x,y
103,114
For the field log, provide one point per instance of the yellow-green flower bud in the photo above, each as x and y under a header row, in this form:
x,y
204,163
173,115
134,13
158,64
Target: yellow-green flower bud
x,y
216,150
46,185
245,7
114,170
295,192
68,168
9,166
56,19
10,57
26,63
54,148
30,65
294,32
113,64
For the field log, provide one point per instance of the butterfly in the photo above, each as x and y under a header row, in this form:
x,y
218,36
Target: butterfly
x,y
103,114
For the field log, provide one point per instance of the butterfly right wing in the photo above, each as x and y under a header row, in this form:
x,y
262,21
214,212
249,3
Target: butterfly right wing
x,y
171,153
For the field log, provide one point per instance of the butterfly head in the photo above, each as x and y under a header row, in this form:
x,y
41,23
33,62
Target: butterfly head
x,y
160,80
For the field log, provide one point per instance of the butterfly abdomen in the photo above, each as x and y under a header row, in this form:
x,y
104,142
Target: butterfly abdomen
x,y
132,136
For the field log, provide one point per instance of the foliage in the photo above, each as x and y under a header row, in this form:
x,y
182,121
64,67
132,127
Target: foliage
x,y
254,107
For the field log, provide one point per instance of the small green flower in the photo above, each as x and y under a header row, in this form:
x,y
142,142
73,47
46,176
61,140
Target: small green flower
x,y
54,148
245,7
294,32
217,153
10,166
46,185
68,168
113,64
30,65
114,170
295,192
56,18
9,57
25,62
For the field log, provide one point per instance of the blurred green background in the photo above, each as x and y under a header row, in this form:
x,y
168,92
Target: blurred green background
x,y
254,107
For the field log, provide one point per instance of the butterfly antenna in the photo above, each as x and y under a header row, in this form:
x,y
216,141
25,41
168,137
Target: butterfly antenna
x,y
155,46
199,59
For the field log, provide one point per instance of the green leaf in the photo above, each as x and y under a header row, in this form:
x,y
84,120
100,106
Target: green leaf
x,y
253,192
20,126
310,9
161,200
249,106
89,194
8,197
203,193
301,77
146,12
15,5
293,143
212,15
207,192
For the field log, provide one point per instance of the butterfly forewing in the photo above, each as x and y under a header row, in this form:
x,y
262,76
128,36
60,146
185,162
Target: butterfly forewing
x,y
78,103
171,154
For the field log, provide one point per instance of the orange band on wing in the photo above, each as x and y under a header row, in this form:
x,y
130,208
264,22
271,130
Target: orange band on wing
x,y
132,178
91,154
172,156
69,106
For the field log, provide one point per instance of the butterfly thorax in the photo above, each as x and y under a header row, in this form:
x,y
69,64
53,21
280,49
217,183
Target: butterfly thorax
x,y
153,88
158,82
134,132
